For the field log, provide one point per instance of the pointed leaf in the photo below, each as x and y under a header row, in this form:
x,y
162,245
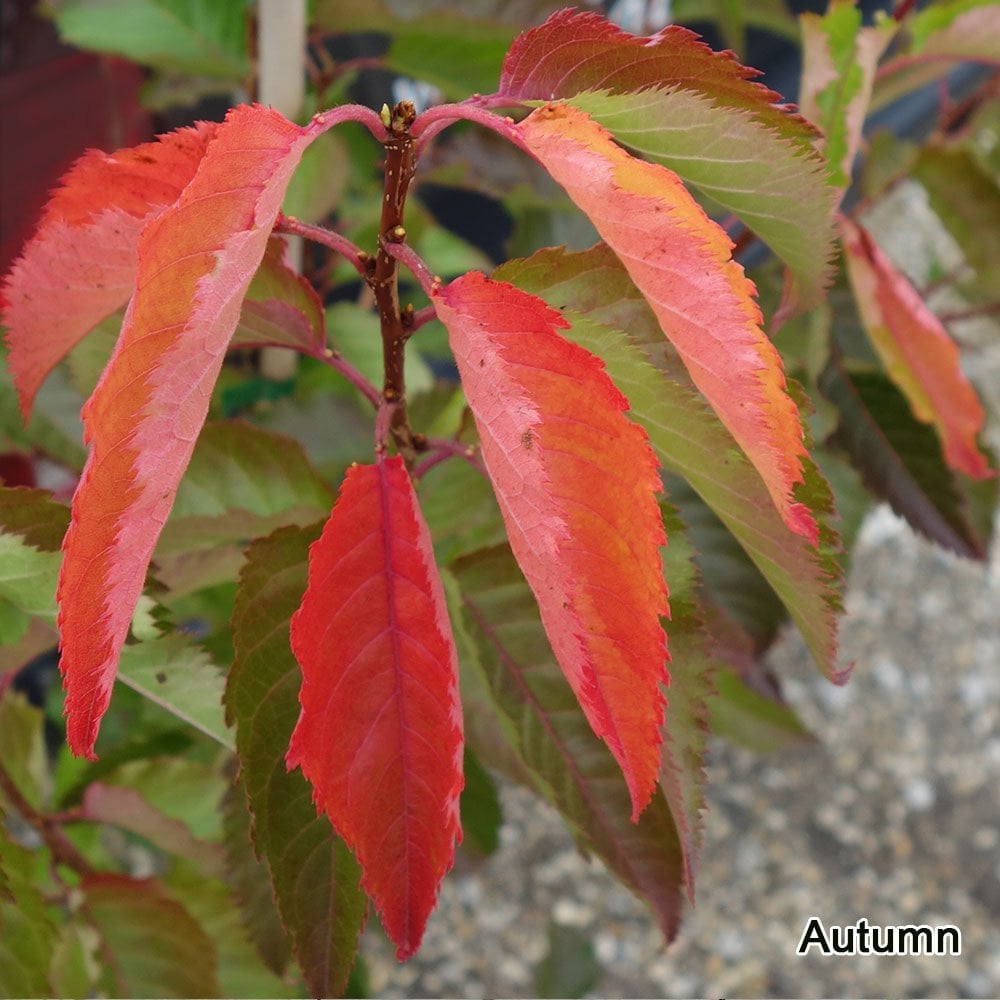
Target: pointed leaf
x,y
691,441
680,260
173,35
575,771
839,59
576,482
698,112
940,35
314,876
281,306
80,266
380,733
28,933
154,947
179,676
917,351
195,263
900,458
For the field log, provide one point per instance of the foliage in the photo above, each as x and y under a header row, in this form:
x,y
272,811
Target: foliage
x,y
573,500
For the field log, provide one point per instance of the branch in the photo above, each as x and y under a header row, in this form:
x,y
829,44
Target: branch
x,y
62,848
441,449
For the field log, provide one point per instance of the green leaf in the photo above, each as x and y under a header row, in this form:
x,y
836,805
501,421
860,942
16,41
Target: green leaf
x,y
575,771
187,36
570,967
690,441
55,429
748,718
153,946
900,458
178,675
967,201
455,52
34,516
837,77
28,577
242,483
480,805
319,180
355,332
209,900
315,877
251,882
28,934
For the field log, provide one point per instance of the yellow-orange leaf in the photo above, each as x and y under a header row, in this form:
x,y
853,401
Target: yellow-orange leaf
x,y
682,263
919,355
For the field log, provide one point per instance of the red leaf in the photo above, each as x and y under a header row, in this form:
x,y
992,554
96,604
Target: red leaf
x,y
380,732
195,263
576,482
917,351
577,51
681,262
80,266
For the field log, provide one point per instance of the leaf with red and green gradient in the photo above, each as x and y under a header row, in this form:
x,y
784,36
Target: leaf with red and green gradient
x,y
570,766
281,307
901,461
941,35
681,261
314,876
576,482
196,261
611,319
839,59
917,351
152,946
380,733
80,266
698,112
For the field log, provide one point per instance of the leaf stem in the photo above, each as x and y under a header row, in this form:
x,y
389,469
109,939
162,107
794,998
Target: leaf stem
x,y
354,255
413,262
441,449
435,120
338,363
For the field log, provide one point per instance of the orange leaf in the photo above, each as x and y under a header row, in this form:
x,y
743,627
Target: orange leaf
x,y
576,482
195,263
919,355
380,732
80,266
681,262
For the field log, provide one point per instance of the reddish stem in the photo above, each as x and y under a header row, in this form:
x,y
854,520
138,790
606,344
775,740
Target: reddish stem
x,y
411,260
63,849
441,449
435,120
903,8
354,255
339,364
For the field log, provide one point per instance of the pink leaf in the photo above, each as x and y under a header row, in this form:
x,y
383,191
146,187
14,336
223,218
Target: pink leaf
x,y
917,351
380,732
576,482
80,266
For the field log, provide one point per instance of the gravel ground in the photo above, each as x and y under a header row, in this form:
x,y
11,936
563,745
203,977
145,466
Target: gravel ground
x,y
892,816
